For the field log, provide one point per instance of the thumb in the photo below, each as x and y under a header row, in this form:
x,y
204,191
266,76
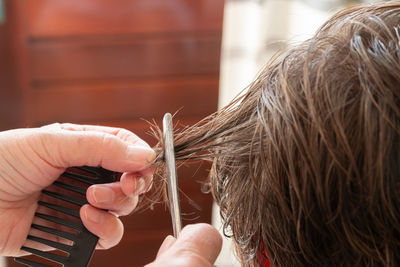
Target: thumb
x,y
76,148
197,245
169,241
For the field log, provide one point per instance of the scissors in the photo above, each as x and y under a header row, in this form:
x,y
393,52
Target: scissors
x,y
172,180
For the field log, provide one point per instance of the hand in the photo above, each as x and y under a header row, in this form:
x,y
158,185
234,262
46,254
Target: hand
x,y
31,159
197,246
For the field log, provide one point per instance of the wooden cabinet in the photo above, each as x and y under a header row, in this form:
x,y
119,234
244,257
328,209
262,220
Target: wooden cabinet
x,y
115,63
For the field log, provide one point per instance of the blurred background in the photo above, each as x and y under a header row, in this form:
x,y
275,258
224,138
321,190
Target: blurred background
x,y
121,62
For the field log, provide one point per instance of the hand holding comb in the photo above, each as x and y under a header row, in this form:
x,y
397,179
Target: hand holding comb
x,y
84,242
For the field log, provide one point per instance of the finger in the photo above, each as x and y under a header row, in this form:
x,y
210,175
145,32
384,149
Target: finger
x,y
124,134
148,172
112,198
121,133
197,245
168,242
200,239
76,148
135,183
106,226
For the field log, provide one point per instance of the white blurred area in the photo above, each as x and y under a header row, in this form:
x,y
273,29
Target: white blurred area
x,y
253,31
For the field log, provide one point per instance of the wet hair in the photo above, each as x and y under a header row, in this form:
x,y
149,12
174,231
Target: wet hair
x,y
307,161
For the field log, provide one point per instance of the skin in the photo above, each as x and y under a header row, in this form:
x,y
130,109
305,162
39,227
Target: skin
x,y
197,246
32,159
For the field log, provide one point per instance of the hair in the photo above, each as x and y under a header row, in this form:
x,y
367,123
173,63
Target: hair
x,y
306,162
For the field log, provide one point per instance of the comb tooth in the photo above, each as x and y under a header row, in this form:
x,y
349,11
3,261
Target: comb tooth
x,y
30,263
50,243
79,177
92,170
99,172
73,188
46,255
73,200
55,232
62,209
70,224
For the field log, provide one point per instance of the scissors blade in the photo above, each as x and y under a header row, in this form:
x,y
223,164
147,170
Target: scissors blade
x,y
172,179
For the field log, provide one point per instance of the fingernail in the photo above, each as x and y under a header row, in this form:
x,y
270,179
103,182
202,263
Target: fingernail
x,y
94,215
103,194
141,153
140,186
169,241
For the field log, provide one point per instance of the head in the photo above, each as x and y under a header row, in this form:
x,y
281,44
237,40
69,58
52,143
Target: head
x,y
306,162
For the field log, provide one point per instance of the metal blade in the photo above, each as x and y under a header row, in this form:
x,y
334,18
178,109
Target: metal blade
x,y
172,179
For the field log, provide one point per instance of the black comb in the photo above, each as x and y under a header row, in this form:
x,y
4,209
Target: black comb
x,y
84,242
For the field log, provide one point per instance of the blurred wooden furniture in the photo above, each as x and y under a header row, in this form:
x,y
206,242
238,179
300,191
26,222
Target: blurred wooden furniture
x,y
115,63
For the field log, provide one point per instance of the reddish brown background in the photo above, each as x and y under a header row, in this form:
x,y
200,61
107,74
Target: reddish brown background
x,y
114,63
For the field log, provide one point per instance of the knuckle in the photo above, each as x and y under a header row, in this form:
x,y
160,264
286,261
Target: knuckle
x,y
53,126
108,140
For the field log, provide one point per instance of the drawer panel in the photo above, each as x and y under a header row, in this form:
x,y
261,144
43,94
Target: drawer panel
x,y
113,58
123,100
65,18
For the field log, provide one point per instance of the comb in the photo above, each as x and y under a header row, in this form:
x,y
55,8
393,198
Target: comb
x,y
71,193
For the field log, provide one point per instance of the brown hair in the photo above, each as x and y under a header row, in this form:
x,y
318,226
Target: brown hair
x,y
307,161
